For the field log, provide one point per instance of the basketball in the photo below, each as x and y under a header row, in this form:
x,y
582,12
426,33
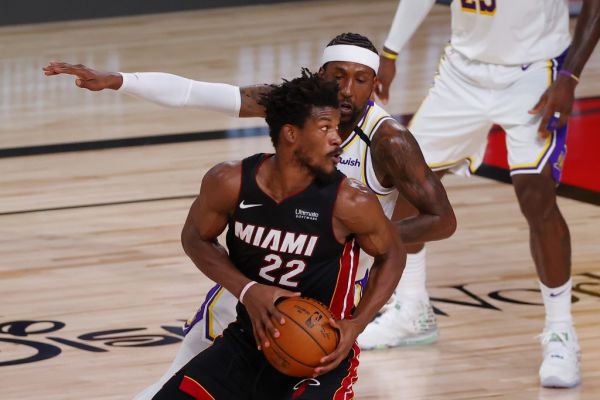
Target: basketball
x,y
304,339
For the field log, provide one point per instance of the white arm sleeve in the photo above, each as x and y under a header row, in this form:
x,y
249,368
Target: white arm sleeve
x,y
409,15
176,91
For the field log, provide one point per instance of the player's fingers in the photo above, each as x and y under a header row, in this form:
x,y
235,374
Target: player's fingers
x,y
331,361
51,69
564,117
539,106
285,293
378,88
256,339
272,320
328,359
263,340
276,320
340,351
282,293
334,324
277,317
59,65
78,70
547,124
54,64
270,324
384,93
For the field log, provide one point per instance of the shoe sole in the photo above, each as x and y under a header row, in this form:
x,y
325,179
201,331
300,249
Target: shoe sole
x,y
557,382
421,340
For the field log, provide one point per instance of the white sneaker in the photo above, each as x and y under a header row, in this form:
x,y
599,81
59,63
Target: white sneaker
x,y
401,324
560,367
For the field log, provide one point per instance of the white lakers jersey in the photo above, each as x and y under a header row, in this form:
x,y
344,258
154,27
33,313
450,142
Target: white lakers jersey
x,y
510,32
356,162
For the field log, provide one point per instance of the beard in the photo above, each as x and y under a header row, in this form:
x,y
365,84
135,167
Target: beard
x,y
320,174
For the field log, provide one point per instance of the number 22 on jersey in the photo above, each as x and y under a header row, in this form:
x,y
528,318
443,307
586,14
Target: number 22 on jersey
x,y
274,263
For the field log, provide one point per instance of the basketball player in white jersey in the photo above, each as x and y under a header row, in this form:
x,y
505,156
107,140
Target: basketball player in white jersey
x,y
376,150
508,63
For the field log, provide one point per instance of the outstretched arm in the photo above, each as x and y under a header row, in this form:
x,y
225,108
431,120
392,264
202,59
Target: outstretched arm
x,y
559,97
408,17
358,212
168,89
207,218
397,156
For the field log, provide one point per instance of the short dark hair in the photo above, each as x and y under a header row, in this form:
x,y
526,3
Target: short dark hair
x,y
354,39
292,101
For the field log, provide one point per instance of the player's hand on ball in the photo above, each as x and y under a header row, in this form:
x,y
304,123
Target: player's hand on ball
x,y
260,304
349,331
87,78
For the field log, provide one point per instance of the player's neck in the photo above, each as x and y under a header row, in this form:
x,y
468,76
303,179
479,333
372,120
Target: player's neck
x,y
280,177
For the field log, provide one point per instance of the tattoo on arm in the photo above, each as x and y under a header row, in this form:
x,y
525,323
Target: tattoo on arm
x,y
251,95
399,160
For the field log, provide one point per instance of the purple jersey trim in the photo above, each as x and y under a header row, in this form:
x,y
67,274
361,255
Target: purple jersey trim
x,y
210,296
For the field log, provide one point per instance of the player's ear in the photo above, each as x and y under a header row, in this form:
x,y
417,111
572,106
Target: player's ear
x,y
289,133
321,71
375,83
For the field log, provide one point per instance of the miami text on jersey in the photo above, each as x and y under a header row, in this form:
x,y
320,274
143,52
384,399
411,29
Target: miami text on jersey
x,y
276,240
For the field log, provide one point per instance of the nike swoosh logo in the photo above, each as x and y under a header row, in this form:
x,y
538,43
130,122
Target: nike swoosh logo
x,y
557,294
525,66
244,206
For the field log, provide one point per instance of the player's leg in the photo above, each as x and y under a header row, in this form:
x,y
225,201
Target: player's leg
x,y
226,370
535,168
451,128
216,312
551,250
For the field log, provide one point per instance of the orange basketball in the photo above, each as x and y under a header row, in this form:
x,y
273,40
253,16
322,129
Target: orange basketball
x,y
304,339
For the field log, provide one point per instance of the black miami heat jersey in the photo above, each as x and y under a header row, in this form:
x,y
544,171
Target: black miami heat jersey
x,y
291,243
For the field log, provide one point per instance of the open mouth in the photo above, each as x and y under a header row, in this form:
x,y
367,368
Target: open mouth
x,y
346,108
335,156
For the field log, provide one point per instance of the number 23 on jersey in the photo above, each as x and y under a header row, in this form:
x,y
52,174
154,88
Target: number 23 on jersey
x,y
483,7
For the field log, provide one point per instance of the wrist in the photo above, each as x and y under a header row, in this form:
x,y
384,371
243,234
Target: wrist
x,y
388,54
245,290
115,80
360,322
568,74
565,82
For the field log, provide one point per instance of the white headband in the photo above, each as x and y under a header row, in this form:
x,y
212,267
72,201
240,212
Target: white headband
x,y
351,53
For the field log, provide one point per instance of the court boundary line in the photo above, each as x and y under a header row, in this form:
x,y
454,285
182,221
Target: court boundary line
x,y
172,138
486,171
91,205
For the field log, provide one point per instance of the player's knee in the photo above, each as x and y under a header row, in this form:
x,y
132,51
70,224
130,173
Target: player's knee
x,y
538,204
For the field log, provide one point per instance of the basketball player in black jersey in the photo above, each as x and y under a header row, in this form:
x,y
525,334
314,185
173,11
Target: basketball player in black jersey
x,y
398,163
294,223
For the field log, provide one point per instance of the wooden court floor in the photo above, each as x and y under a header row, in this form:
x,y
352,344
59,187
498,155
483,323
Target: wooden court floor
x,y
94,282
